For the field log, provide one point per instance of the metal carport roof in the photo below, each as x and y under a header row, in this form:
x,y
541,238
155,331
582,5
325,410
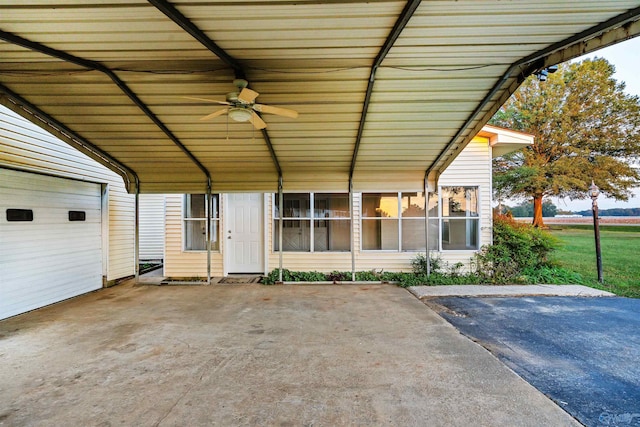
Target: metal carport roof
x,y
388,91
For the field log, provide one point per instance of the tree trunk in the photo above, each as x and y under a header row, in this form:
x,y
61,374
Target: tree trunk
x,y
537,211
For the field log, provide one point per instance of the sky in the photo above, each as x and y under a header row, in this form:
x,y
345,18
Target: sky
x,y
626,58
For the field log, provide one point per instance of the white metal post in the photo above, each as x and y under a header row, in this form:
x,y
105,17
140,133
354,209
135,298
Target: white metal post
x,y
280,226
352,234
208,211
137,235
426,226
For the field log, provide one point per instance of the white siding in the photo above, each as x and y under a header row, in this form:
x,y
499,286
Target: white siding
x,y
49,258
27,147
472,167
151,226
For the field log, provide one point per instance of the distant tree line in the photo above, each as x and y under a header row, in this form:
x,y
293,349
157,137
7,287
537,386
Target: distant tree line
x,y
525,210
613,212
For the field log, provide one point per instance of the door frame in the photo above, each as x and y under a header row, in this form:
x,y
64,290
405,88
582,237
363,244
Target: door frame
x,y
226,251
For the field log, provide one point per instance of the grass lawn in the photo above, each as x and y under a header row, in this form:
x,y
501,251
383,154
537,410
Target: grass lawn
x,y
620,256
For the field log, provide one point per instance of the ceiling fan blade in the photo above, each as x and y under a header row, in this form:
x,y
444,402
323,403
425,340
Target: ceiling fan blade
x,y
256,121
247,95
207,100
276,110
216,114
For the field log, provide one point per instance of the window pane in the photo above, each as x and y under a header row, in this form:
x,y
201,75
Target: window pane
x,y
413,238
433,205
215,212
460,234
215,235
460,201
296,236
413,205
194,206
434,234
296,205
380,234
331,206
380,205
331,235
195,235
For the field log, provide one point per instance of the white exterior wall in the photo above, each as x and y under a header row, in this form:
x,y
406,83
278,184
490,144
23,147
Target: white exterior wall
x,y
471,168
26,147
151,211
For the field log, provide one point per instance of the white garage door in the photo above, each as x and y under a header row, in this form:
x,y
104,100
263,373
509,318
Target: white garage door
x,y
50,240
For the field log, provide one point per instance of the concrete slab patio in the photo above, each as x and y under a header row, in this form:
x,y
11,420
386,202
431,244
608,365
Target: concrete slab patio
x,y
255,355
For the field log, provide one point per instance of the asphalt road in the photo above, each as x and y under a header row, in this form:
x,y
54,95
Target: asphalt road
x,y
584,353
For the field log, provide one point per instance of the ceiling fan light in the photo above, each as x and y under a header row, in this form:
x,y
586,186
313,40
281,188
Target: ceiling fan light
x,y
240,114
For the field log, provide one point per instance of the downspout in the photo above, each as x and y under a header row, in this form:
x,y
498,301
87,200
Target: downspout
x,y
352,234
280,226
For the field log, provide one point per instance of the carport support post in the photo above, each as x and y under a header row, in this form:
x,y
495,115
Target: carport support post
x,y
280,227
351,234
426,225
208,211
136,233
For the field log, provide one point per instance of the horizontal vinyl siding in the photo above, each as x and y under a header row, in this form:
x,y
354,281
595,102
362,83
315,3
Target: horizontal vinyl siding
x,y
151,226
473,167
180,263
25,146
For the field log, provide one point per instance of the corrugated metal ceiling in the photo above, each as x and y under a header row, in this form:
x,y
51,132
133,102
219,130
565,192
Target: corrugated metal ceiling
x,y
449,69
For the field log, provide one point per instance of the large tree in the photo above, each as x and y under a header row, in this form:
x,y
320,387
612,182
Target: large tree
x,y
585,127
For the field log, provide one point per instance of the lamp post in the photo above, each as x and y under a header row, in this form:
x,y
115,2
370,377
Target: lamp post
x,y
594,192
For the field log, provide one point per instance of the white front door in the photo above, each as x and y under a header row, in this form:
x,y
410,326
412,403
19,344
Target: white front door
x,y
244,233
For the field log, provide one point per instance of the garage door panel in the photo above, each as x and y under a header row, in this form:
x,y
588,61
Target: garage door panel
x,y
51,258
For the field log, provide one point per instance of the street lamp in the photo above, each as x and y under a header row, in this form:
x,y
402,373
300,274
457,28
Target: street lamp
x,y
594,192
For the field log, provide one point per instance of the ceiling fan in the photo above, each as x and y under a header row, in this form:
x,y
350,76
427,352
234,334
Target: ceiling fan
x,y
242,106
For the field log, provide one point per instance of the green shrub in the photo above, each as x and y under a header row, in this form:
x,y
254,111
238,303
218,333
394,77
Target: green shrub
x,y
516,247
421,267
367,276
293,276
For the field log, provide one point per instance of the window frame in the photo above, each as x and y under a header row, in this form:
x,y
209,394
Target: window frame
x,y
215,221
310,219
439,218
450,218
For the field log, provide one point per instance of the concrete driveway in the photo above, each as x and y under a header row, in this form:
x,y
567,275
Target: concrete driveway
x,y
255,355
